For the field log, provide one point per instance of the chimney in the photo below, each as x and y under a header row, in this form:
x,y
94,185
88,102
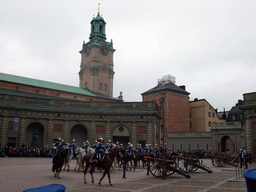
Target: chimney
x,y
183,87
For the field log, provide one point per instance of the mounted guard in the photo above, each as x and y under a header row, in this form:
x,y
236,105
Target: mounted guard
x,y
109,146
99,151
73,146
129,150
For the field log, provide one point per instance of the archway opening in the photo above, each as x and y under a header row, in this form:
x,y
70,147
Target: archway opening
x,y
122,135
226,144
35,135
79,133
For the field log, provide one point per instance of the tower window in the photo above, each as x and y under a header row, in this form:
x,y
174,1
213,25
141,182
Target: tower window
x,y
100,28
105,87
100,86
85,85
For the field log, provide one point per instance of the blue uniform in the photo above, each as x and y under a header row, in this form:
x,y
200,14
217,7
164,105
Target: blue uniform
x,y
150,150
139,149
156,151
99,152
129,151
145,150
109,146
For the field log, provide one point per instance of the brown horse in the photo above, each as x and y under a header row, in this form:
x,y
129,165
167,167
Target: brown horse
x,y
106,163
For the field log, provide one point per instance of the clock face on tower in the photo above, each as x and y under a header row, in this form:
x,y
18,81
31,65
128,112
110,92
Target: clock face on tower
x,y
104,50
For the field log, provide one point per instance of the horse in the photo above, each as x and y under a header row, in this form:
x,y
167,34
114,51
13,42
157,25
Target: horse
x,y
138,158
105,164
67,161
58,161
80,153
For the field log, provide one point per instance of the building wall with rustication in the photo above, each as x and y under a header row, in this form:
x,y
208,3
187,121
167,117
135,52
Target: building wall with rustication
x,y
50,119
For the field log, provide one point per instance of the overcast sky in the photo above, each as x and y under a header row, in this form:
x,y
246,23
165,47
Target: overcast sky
x,y
208,45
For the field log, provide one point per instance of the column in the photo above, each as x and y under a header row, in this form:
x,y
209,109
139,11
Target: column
x,y
66,132
22,132
249,134
49,133
154,134
3,132
149,131
134,134
92,132
108,132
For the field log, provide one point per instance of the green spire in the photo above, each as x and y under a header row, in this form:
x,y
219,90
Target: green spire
x,y
98,29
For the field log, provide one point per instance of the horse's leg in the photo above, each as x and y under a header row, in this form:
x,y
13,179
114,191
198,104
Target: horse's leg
x,y
85,171
109,178
91,172
103,176
58,174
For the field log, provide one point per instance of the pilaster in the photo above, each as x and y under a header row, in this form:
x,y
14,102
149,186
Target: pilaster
x,y
66,135
134,134
108,132
3,131
249,134
49,133
149,131
154,134
92,132
22,131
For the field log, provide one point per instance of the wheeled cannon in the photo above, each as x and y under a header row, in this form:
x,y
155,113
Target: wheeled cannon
x,y
158,166
192,163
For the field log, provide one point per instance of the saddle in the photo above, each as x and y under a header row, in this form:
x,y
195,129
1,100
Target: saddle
x,y
96,159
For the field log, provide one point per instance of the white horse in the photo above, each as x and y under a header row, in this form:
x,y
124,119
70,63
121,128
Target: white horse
x,y
81,153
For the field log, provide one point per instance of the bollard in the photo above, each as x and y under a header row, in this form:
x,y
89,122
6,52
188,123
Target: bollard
x,y
124,169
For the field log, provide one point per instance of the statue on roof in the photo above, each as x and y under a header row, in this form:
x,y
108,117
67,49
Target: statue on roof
x,y
98,8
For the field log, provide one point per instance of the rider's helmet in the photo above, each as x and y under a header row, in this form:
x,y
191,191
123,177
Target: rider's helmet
x,y
62,140
109,141
129,143
74,140
87,142
101,139
117,142
59,139
96,141
156,145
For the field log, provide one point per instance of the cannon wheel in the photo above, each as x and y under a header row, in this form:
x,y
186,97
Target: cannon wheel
x,y
188,164
156,168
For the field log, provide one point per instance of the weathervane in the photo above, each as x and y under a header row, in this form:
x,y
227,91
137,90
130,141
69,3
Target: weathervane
x,y
98,8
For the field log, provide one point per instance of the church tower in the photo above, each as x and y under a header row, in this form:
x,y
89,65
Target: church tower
x,y
96,69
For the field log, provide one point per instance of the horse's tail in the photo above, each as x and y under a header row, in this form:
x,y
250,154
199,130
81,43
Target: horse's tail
x,y
81,163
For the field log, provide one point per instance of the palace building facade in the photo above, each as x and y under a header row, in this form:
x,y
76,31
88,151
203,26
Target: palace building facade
x,y
36,113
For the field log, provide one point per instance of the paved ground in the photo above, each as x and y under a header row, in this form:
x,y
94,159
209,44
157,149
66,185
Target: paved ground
x,y
19,174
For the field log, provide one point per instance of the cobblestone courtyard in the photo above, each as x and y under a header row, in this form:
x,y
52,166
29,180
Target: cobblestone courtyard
x,y
19,174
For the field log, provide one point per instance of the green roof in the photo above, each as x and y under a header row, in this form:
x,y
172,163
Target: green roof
x,y
44,84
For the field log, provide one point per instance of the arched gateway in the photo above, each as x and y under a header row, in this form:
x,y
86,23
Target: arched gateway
x,y
35,135
226,144
122,135
79,133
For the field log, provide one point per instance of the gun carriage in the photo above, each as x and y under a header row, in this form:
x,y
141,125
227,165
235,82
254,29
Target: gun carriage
x,y
159,166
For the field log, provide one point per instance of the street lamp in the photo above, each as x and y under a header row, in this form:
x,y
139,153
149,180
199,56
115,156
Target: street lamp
x,y
162,100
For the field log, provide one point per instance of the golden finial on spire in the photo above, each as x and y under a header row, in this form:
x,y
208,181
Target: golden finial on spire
x,y
98,8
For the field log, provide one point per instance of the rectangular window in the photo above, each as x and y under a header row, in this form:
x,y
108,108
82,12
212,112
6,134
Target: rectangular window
x,y
142,129
10,126
100,129
233,117
209,114
57,128
210,123
213,115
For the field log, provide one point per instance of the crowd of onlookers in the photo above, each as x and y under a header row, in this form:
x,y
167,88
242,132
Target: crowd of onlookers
x,y
24,151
